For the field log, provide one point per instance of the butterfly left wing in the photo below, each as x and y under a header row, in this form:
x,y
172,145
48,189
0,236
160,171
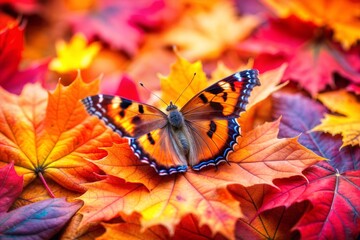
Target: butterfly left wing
x,y
211,117
126,117
146,127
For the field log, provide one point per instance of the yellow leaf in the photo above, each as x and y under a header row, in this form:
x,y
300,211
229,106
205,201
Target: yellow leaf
x,y
74,55
343,17
182,72
348,123
204,33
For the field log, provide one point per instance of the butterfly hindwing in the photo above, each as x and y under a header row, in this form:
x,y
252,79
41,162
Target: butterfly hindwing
x,y
211,117
158,149
126,117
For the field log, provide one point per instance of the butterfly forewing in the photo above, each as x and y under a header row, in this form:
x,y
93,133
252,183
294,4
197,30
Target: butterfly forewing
x,y
211,117
126,117
225,99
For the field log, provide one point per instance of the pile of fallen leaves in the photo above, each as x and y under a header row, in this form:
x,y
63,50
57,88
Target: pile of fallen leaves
x,y
295,172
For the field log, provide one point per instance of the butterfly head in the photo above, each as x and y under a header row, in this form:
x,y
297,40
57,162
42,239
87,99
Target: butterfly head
x,y
171,107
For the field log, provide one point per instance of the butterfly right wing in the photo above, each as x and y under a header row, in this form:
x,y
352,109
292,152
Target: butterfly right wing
x,y
147,128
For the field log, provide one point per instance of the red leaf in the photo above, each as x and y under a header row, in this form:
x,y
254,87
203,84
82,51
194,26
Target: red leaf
x,y
10,186
333,187
276,223
40,220
312,58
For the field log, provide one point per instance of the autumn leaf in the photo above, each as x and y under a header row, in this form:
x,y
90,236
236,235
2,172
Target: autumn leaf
x,y
348,123
345,26
275,223
204,33
52,135
182,72
10,187
312,59
332,187
41,220
131,229
74,55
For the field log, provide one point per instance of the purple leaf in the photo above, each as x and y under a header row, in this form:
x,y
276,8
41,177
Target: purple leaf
x,y
299,115
40,220
11,186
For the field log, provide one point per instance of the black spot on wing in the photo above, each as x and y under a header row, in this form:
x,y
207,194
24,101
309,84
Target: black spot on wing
x,y
136,120
215,89
212,130
141,108
224,96
150,138
203,98
216,106
122,113
125,103
232,85
213,126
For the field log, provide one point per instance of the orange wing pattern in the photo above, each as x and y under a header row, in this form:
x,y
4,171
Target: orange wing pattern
x,y
158,149
126,117
211,117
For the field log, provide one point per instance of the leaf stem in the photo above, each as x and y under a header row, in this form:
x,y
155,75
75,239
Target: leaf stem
x,y
46,185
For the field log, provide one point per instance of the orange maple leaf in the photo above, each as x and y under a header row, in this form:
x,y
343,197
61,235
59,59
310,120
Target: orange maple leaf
x,y
348,123
325,14
51,135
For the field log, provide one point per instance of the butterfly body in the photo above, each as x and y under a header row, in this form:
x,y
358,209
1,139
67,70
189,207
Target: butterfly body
x,y
202,133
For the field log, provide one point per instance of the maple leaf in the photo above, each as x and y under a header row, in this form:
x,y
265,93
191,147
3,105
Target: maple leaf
x,y
10,187
312,59
332,187
51,135
110,20
345,26
74,55
204,33
348,123
52,213
275,223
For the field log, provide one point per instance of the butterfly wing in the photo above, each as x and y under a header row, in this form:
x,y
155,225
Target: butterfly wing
x,y
124,116
211,117
147,128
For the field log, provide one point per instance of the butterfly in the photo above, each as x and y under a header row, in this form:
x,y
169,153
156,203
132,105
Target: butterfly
x,y
202,133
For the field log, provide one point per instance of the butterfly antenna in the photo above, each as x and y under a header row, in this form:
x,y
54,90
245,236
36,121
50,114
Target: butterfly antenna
x,y
141,84
185,88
